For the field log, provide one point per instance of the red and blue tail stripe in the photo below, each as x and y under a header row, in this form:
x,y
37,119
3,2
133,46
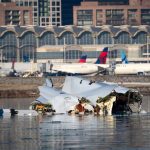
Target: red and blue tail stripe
x,y
102,57
83,59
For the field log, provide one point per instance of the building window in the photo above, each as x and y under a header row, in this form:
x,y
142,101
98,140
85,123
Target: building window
x,y
8,43
66,38
84,17
85,38
132,14
104,38
123,38
99,17
115,17
73,54
28,46
145,16
140,38
47,38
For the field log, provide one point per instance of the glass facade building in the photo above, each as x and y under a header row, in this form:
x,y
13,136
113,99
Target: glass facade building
x,y
20,43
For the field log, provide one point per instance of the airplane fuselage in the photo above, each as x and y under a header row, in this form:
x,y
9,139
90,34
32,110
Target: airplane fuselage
x,y
78,68
142,68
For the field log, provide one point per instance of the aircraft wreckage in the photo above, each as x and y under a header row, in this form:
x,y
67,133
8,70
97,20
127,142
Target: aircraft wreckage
x,y
79,95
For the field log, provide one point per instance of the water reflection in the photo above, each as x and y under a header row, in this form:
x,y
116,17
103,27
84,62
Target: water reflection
x,y
75,132
89,132
19,133
67,132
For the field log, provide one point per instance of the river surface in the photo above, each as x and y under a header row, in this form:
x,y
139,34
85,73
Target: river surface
x,y
74,132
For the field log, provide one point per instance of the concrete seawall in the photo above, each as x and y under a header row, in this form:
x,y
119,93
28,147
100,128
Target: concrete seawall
x,y
28,87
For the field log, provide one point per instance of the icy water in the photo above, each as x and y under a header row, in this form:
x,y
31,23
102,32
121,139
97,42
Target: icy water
x,y
74,132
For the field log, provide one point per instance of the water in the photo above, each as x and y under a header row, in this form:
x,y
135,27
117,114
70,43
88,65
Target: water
x,y
64,132
70,132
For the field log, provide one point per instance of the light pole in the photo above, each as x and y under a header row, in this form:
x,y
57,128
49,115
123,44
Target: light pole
x,y
64,49
147,48
1,57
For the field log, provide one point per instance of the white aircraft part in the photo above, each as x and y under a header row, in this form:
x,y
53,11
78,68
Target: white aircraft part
x,y
49,91
74,88
63,103
80,87
76,68
76,85
132,68
93,95
42,100
120,89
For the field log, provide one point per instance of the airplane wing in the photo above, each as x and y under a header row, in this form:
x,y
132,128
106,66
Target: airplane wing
x,y
89,89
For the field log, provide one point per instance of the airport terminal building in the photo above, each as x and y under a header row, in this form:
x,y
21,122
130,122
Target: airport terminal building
x,y
68,43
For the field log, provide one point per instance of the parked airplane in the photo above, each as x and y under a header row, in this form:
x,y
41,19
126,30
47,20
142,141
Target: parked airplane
x,y
131,68
85,68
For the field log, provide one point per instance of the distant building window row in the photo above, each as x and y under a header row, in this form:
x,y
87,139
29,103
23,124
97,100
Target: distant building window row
x,y
114,17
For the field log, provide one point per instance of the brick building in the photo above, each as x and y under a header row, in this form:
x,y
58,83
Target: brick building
x,y
114,12
11,14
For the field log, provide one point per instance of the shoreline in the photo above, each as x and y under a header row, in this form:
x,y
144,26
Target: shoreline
x,y
28,87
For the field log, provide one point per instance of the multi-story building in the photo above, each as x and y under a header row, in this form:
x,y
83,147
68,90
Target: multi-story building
x,y
112,12
49,12
10,14
30,3
42,12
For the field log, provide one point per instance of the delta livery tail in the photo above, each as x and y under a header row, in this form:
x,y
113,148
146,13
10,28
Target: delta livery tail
x,y
102,57
124,59
83,59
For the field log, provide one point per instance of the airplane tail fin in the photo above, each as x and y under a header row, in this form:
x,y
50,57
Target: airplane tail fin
x,y
83,59
124,59
102,57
